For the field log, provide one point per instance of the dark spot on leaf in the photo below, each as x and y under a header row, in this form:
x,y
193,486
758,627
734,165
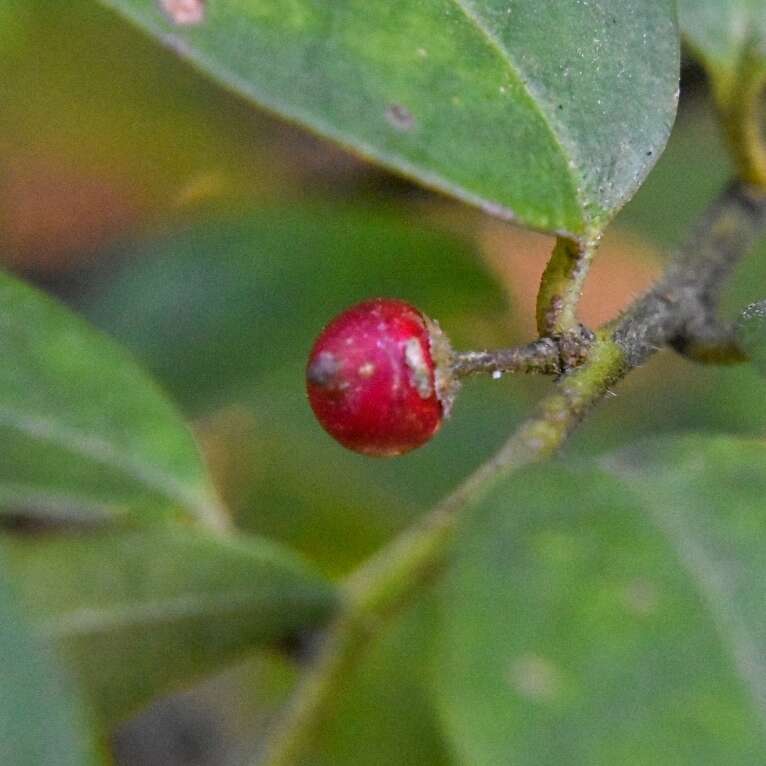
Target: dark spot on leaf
x,y
400,117
561,106
184,12
300,646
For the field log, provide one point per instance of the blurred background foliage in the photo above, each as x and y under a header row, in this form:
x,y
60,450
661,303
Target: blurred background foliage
x,y
214,240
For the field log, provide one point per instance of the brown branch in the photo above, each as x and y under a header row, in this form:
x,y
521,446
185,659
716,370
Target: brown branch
x,y
681,309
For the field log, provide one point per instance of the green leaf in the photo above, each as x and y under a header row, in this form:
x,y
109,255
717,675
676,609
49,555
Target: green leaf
x,y
723,34
139,613
751,334
590,619
41,722
83,431
551,118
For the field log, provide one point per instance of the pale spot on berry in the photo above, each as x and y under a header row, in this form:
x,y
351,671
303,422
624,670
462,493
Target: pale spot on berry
x,y
416,362
367,370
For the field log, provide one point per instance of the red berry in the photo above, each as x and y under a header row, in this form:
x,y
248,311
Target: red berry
x,y
378,378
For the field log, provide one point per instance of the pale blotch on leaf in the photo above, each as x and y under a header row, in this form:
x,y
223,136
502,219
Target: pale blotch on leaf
x,y
400,117
184,12
556,547
535,678
640,598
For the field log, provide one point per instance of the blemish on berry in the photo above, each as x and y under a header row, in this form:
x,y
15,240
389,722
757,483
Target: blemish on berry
x,y
323,370
400,117
367,370
418,367
185,13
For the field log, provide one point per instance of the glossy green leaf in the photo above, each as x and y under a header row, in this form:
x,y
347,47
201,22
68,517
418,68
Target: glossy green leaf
x,y
136,614
41,721
549,116
751,334
83,431
599,619
722,33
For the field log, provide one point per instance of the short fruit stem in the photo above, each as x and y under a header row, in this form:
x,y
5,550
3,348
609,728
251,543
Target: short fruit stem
x,y
539,356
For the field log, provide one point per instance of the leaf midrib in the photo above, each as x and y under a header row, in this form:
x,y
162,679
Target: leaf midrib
x,y
556,130
88,621
95,448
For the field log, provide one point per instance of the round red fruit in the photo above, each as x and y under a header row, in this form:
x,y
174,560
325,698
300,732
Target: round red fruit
x,y
378,377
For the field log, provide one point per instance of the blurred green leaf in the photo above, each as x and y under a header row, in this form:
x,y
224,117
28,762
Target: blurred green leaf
x,y
41,722
550,118
729,38
385,715
590,620
83,431
139,613
14,20
723,34
751,334
77,171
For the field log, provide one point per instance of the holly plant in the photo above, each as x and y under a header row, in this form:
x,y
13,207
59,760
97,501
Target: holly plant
x,y
442,581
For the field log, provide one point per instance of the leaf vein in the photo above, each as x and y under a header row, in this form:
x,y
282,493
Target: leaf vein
x,y
555,128
100,451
